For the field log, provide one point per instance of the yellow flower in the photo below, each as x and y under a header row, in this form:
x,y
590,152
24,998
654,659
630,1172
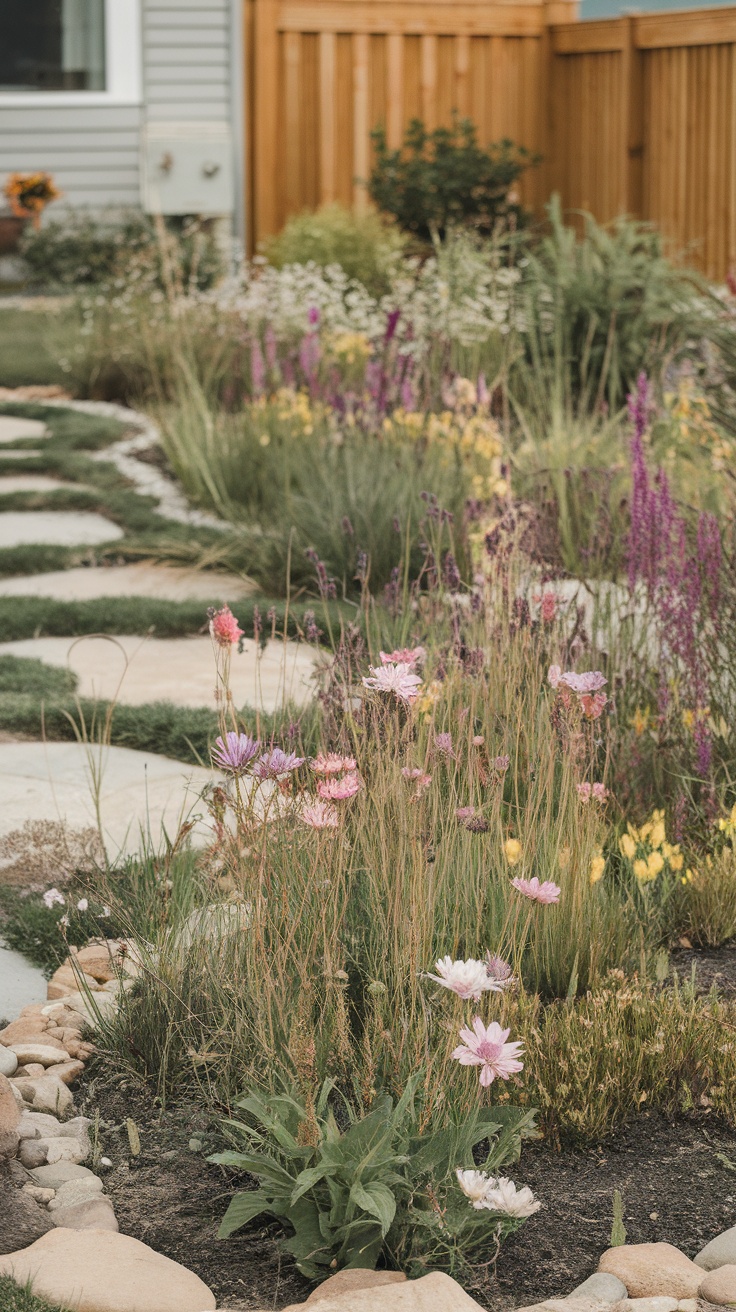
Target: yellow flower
x,y
677,861
627,846
655,864
657,835
641,869
512,851
597,866
640,721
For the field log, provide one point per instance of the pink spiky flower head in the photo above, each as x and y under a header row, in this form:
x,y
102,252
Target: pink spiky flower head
x,y
224,627
277,764
331,763
339,790
398,679
589,681
235,752
403,656
486,1046
545,892
319,816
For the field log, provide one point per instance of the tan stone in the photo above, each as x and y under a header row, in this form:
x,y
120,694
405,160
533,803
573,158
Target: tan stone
x,y
45,1094
572,1305
433,1293
68,1071
31,1068
79,1049
9,1119
346,1282
46,1053
653,1269
112,1274
91,1214
26,1029
56,991
97,960
72,979
719,1286
32,1009
39,1194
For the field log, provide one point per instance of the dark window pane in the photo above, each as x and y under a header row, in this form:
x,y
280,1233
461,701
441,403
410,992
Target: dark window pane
x,y
52,45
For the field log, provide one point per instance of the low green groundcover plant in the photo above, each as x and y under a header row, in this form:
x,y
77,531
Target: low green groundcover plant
x,y
358,1189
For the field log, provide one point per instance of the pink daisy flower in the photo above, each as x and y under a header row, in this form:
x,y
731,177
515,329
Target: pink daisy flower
x,y
399,679
224,627
589,681
501,763
319,815
276,764
486,1046
545,892
464,812
403,656
339,790
332,763
443,743
593,704
597,791
235,752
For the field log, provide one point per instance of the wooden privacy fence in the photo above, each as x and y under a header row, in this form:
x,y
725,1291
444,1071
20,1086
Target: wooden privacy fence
x,y
643,122
634,115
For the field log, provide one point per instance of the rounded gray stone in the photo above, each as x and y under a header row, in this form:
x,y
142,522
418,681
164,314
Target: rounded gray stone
x,y
721,1251
8,1061
72,1192
601,1286
53,1177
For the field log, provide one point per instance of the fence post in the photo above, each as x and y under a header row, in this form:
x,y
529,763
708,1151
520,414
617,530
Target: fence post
x,y
632,99
266,109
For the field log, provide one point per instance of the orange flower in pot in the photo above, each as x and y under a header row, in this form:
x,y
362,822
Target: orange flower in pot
x,y
29,193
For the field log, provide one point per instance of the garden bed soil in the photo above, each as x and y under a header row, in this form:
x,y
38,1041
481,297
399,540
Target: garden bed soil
x,y
712,966
677,1180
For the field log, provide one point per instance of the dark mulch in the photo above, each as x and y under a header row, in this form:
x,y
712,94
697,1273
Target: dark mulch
x,y
712,966
674,1184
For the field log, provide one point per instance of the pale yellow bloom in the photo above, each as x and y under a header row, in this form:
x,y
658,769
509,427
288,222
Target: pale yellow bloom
x,y
627,846
655,864
597,866
657,835
512,851
641,869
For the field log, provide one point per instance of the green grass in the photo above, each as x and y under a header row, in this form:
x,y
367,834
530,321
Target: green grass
x,y
28,617
17,1298
38,701
31,346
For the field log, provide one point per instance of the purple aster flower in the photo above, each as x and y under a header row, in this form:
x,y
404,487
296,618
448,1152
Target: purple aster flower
x,y
276,764
235,752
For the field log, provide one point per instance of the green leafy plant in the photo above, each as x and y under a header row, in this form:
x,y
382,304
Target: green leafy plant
x,y
381,1187
444,178
364,245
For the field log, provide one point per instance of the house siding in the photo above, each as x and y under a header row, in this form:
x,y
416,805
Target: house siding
x,y
94,152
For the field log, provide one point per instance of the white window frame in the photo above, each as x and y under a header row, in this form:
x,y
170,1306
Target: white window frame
x,y
123,65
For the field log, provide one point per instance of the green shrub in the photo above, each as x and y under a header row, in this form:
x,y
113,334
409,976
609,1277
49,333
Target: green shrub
x,y
365,245
599,307
379,1188
20,1298
83,250
443,179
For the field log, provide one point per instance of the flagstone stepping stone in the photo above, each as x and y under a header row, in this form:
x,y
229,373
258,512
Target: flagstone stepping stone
x,y
180,670
139,792
16,428
64,528
20,982
19,455
106,1272
35,483
147,579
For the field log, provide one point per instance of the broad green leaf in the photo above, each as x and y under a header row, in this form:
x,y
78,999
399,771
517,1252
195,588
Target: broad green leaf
x,y
306,1179
377,1200
243,1208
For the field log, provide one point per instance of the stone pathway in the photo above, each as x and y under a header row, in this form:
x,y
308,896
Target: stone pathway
x,y
141,794
35,483
65,528
21,984
135,670
16,428
148,579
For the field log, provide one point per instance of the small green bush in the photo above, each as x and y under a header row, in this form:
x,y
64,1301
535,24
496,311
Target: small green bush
x,y
444,179
365,245
79,249
20,1298
380,1187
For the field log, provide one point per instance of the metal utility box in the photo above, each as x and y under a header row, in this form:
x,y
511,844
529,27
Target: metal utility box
x,y
187,168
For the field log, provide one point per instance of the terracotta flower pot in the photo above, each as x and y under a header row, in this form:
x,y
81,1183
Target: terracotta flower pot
x,y
11,229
